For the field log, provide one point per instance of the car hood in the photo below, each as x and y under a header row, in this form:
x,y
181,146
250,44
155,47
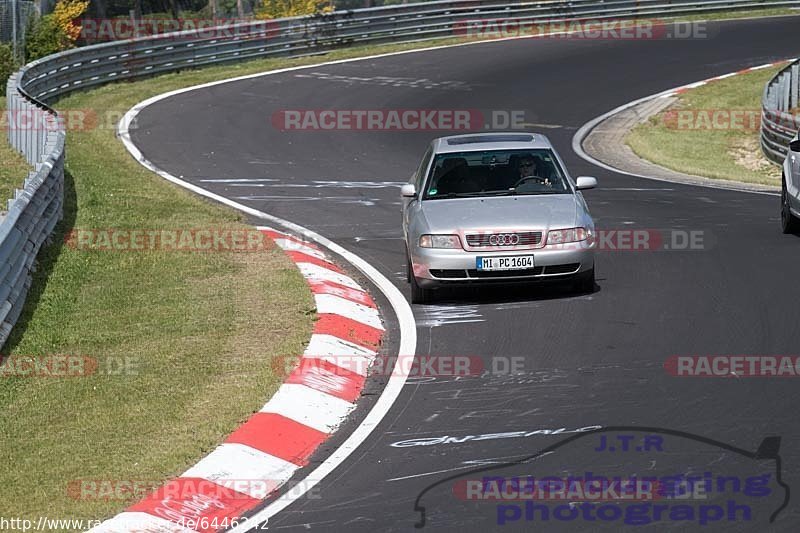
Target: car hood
x,y
501,213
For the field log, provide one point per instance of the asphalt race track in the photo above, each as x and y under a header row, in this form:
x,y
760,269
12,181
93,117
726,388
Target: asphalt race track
x,y
587,361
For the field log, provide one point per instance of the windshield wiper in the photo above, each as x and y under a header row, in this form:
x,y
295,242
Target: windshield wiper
x,y
480,194
507,192
542,192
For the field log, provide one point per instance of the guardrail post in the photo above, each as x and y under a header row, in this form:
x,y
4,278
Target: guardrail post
x,y
12,120
11,105
29,133
786,92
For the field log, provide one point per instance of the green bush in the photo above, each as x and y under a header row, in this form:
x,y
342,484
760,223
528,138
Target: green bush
x,y
43,38
7,65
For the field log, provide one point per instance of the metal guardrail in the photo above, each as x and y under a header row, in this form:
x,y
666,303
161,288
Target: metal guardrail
x,y
780,112
36,208
62,73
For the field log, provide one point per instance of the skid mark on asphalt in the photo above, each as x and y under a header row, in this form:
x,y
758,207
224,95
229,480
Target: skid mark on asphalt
x,y
638,189
523,433
314,184
357,184
362,239
516,305
236,180
409,83
432,316
471,463
355,200
268,162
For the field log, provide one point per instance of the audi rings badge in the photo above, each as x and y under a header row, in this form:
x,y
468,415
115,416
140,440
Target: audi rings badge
x,y
504,239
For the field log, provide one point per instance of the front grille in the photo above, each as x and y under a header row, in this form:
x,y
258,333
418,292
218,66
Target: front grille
x,y
509,239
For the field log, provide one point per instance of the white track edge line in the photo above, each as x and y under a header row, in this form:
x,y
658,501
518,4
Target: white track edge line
x,y
401,308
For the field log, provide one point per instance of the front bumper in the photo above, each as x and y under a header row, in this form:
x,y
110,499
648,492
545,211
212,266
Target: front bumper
x,y
436,267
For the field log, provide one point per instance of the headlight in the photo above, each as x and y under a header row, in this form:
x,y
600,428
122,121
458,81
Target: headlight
x,y
439,241
561,236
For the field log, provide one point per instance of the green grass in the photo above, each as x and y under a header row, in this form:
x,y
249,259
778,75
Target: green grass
x,y
199,328
13,171
748,13
680,137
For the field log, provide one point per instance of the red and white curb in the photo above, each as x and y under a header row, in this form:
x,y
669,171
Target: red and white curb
x,y
684,88
265,452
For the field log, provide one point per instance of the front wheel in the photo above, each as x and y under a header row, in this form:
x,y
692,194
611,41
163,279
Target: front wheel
x,y
419,295
789,222
409,272
584,282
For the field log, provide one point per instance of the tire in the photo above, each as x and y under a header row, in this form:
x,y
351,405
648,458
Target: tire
x,y
584,282
408,268
789,222
418,294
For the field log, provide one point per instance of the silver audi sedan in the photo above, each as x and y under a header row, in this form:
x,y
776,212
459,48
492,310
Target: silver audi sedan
x,y
495,207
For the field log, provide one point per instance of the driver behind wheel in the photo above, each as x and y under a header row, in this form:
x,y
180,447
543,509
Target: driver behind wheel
x,y
529,169
526,167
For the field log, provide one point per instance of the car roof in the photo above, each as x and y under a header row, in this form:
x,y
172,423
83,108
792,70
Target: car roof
x,y
516,140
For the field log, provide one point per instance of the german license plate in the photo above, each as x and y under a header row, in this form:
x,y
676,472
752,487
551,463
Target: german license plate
x,y
511,262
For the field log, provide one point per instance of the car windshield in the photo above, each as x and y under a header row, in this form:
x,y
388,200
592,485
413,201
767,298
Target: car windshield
x,y
495,173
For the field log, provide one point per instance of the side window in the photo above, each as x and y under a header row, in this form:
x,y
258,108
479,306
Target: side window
x,y
420,177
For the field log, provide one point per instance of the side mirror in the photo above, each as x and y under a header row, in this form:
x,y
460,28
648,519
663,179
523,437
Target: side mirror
x,y
794,146
585,182
408,191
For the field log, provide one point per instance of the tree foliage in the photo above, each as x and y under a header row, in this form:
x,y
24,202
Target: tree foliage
x,y
7,65
41,38
273,9
56,31
65,14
